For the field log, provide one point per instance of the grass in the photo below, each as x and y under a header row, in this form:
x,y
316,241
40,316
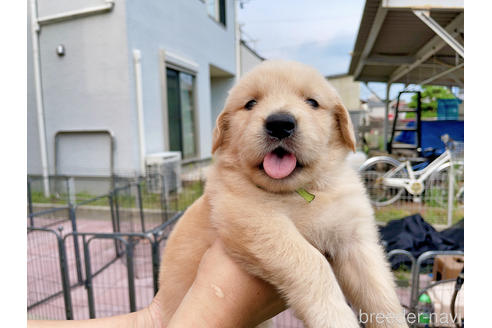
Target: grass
x,y
191,192
38,197
388,213
402,276
431,214
424,114
431,211
177,201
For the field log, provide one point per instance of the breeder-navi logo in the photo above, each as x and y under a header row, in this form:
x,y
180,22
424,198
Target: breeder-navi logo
x,y
410,317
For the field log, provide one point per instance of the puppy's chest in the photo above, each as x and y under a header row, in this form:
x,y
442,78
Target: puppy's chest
x,y
320,221
321,208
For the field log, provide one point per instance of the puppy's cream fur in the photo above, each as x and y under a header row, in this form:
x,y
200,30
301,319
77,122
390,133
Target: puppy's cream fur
x,y
316,254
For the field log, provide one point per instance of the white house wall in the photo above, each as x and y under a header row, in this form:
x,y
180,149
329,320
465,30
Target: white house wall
x,y
88,88
184,29
248,60
33,152
92,87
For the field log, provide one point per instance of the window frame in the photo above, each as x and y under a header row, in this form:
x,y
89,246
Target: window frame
x,y
180,64
217,17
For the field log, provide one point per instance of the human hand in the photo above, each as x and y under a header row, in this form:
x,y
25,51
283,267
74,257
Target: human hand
x,y
224,295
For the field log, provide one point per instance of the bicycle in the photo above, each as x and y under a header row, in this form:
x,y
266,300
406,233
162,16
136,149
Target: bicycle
x,y
386,178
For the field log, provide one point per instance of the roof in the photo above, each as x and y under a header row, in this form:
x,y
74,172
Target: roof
x,y
398,42
243,43
337,76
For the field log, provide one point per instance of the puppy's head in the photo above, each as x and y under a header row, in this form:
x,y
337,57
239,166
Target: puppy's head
x,y
283,126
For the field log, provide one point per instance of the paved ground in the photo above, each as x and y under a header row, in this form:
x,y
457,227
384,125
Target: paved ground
x,y
110,286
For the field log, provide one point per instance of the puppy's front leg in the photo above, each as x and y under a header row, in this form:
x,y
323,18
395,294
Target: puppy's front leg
x,y
273,249
366,280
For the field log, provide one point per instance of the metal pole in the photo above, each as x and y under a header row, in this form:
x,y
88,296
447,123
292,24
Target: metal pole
x,y
78,261
140,205
71,191
418,123
64,277
29,202
155,262
113,221
88,280
131,276
164,198
386,112
73,220
425,17
117,221
450,193
116,210
39,96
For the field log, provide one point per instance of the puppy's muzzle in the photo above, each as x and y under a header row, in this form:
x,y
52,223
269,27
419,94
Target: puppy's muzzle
x,y
280,125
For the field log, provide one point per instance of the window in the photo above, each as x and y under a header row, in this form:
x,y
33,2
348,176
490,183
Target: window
x,y
216,9
181,112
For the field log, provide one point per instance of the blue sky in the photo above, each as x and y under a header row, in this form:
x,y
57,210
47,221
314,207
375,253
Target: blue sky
x,y
320,33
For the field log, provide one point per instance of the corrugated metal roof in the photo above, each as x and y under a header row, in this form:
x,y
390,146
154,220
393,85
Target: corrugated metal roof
x,y
401,35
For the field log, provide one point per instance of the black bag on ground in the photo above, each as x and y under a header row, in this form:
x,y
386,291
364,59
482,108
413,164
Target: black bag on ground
x,y
413,234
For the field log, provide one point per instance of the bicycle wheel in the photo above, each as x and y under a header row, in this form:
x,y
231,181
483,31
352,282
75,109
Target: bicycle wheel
x,y
372,172
437,186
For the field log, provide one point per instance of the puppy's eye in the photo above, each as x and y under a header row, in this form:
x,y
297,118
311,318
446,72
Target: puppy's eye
x,y
250,104
313,103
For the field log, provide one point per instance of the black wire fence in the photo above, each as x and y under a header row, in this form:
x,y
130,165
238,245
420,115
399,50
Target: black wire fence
x,y
96,256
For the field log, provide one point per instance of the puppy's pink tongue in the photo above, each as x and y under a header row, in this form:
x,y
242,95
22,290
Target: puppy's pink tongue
x,y
279,167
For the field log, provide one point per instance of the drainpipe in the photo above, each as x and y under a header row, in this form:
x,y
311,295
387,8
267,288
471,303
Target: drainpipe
x,y
238,41
386,112
36,22
39,96
106,7
140,117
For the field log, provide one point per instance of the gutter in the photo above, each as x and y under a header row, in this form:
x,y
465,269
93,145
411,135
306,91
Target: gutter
x,y
74,14
140,112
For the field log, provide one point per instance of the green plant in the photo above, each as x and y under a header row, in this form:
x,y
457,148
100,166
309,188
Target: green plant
x,y
429,96
176,201
54,198
402,276
425,114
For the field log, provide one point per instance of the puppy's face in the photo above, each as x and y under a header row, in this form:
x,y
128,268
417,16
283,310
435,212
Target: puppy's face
x,y
283,126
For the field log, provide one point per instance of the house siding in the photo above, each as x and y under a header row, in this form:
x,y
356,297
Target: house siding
x,y
182,28
92,87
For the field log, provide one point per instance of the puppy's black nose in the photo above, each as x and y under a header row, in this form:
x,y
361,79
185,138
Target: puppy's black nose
x,y
280,125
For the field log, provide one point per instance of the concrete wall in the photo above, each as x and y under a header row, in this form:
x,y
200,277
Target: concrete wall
x,y
33,153
87,89
348,89
93,85
220,87
189,38
249,59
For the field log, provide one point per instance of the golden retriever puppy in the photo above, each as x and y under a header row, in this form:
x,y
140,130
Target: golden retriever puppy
x,y
286,205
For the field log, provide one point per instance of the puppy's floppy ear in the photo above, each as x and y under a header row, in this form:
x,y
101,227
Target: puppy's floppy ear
x,y
344,124
219,131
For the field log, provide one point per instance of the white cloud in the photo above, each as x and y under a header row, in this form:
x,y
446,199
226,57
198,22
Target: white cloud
x,y
318,32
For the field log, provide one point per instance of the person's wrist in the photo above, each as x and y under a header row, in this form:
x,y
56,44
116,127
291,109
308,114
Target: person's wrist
x,y
224,295
151,316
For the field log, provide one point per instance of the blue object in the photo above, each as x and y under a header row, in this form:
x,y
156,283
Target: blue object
x,y
432,132
448,109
